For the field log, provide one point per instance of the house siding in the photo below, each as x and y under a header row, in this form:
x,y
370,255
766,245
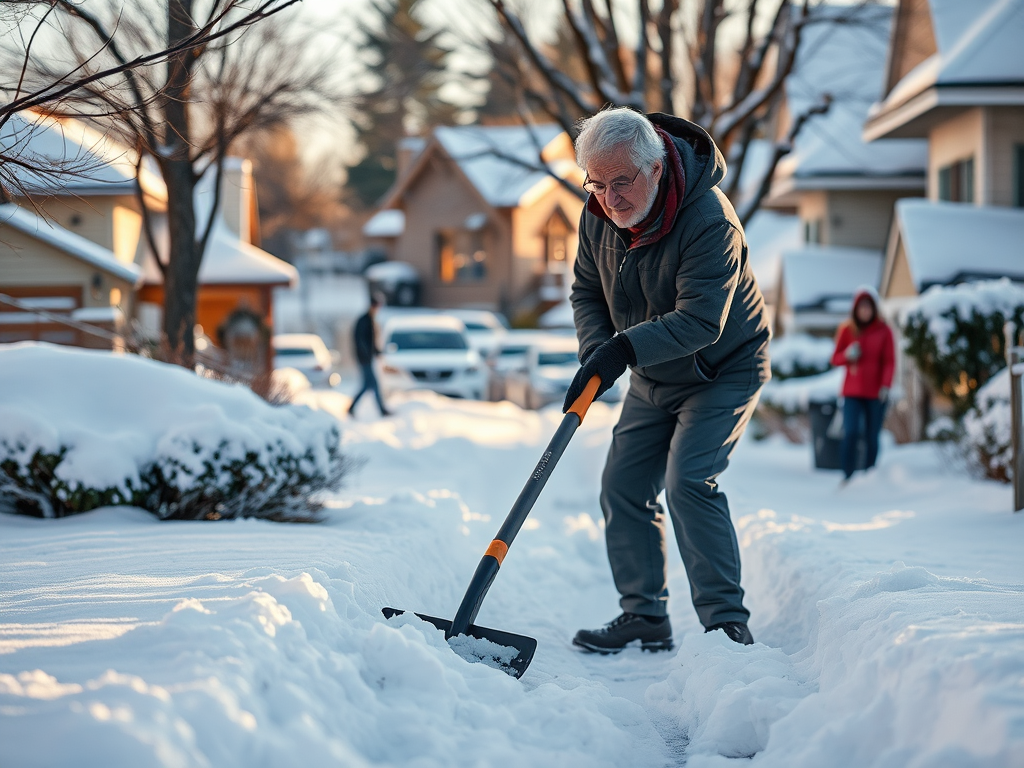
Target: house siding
x,y
1005,131
528,240
442,199
860,219
111,221
957,139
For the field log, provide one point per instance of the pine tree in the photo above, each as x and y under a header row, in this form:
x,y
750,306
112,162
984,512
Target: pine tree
x,y
409,67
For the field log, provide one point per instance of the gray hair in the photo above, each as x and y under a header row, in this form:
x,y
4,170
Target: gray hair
x,y
617,127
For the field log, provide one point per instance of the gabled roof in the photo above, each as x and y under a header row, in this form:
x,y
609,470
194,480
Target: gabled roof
x,y
500,162
85,161
826,277
228,259
842,54
979,62
948,243
74,245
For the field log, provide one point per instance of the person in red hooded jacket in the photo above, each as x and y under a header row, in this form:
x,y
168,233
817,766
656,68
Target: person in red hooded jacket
x,y
864,344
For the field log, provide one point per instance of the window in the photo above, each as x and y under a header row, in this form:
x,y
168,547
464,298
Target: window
x,y
556,236
1018,175
812,231
956,181
461,257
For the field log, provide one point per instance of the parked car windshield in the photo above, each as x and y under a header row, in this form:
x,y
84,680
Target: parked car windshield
x,y
293,351
556,358
513,351
406,340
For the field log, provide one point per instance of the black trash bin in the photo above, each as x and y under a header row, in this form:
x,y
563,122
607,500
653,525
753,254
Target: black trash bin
x,y
397,281
826,446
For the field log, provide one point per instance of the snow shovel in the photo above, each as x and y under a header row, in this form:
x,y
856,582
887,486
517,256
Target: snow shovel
x,y
516,651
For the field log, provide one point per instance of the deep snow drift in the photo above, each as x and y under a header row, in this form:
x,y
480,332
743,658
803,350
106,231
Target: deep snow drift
x,y
889,616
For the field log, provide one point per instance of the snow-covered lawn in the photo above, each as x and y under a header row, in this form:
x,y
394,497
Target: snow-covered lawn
x,y
889,615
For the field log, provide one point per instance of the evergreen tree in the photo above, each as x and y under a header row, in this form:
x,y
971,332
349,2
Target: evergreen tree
x,y
408,65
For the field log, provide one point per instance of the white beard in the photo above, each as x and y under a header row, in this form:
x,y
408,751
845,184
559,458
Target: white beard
x,y
641,214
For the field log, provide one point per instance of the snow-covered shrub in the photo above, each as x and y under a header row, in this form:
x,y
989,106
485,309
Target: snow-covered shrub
x,y
986,428
955,335
82,429
800,354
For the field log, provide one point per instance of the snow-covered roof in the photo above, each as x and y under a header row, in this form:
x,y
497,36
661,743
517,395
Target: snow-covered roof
x,y
769,234
228,259
952,242
842,55
979,49
387,223
84,160
826,277
67,242
500,160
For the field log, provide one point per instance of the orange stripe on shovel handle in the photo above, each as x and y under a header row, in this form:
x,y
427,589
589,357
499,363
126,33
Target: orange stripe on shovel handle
x,y
497,549
586,398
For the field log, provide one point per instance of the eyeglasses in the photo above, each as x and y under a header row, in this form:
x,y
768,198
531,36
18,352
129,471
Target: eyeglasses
x,y
619,187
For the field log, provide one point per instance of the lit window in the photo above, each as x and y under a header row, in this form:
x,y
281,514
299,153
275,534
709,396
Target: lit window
x,y
461,257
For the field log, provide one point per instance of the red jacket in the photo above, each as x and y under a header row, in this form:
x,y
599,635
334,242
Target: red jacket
x,y
874,369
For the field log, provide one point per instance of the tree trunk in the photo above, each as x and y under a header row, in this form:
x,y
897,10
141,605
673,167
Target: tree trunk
x,y
181,283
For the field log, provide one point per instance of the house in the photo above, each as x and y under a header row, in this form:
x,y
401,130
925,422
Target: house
x,y
236,278
480,220
72,253
46,267
842,188
955,79
89,214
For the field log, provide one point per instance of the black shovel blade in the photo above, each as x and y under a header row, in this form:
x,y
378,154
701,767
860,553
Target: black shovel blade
x,y
523,645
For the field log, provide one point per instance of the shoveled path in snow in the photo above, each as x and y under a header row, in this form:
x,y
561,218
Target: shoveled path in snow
x,y
889,614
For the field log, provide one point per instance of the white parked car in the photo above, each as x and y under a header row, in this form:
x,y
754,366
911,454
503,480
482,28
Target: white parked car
x,y
509,355
484,329
306,352
430,352
551,365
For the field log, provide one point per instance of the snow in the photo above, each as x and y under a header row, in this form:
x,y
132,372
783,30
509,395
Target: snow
x,y
769,234
988,425
228,260
978,45
945,242
52,234
888,615
502,182
800,350
86,161
843,54
986,297
389,223
827,276
796,394
117,414
391,272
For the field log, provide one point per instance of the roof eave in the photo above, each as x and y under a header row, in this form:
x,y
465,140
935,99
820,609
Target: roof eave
x,y
913,117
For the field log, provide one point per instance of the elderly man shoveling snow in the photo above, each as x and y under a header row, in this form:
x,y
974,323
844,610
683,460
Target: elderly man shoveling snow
x,y
663,286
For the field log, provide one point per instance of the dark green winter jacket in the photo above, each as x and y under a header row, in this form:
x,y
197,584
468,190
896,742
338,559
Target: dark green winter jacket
x,y
688,303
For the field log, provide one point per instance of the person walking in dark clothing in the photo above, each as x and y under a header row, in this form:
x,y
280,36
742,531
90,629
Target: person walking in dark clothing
x,y
365,338
663,286
864,344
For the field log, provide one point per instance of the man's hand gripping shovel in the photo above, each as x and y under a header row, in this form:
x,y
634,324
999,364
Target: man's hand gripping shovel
x,y
524,647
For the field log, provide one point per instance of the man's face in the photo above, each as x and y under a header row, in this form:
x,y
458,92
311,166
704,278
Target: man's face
x,y
629,208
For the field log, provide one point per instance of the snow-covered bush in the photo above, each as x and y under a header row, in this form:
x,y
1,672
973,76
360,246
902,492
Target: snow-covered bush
x,y
82,429
800,354
986,428
955,335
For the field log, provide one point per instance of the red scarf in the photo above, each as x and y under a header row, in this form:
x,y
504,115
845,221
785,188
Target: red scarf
x,y
671,189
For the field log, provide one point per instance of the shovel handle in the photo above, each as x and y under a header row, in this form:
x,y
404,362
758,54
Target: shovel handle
x,y
586,398
498,548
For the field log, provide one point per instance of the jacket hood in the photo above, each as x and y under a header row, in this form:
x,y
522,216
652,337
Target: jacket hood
x,y
703,162
865,292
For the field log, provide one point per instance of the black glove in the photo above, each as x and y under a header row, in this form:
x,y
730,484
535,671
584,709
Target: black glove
x,y
608,361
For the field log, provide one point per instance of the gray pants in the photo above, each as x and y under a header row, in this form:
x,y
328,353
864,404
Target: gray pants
x,y
680,440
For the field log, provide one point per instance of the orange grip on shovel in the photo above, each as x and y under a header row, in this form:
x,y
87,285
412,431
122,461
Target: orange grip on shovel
x,y
586,398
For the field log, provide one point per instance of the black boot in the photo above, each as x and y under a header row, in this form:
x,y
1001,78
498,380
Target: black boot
x,y
736,630
653,632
